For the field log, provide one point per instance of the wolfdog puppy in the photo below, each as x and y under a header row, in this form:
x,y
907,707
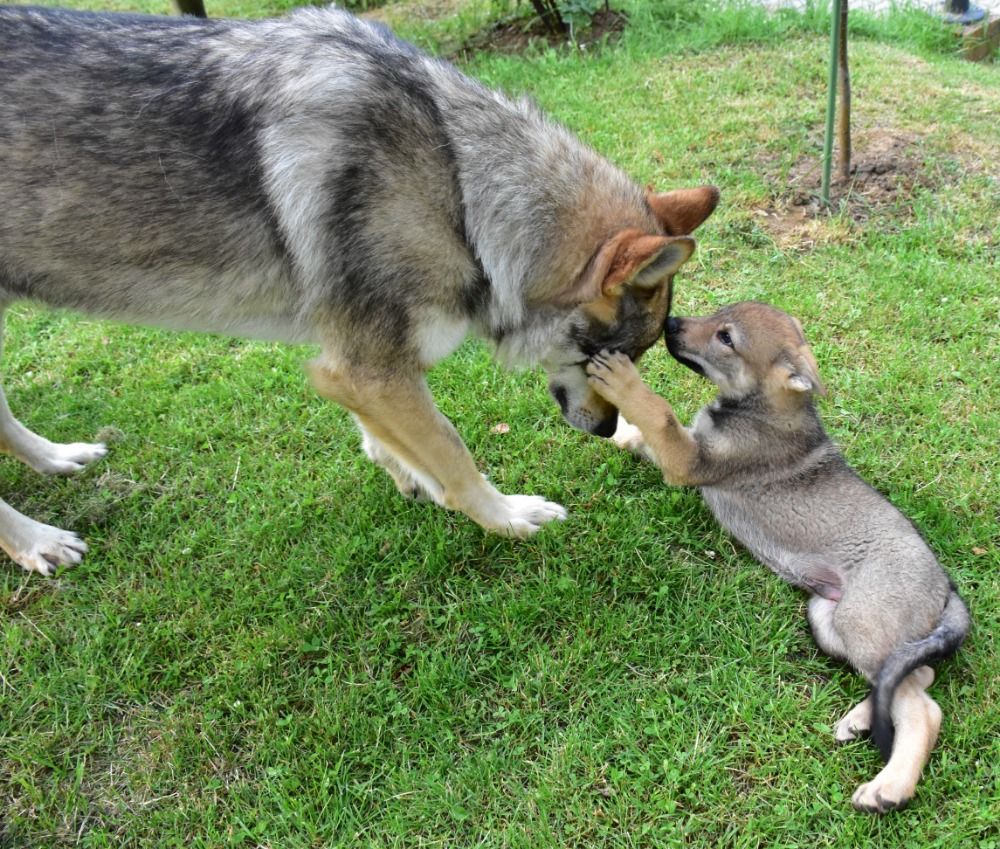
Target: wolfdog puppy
x,y
314,179
773,478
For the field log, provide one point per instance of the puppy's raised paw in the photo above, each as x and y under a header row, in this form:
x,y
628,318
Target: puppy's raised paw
x,y
613,376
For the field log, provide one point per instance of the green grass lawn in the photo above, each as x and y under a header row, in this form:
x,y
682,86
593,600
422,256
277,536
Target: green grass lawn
x,y
267,647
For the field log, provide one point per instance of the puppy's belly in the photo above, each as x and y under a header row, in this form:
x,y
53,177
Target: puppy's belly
x,y
783,543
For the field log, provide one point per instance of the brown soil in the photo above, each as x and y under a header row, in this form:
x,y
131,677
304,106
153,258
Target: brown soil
x,y
887,167
517,35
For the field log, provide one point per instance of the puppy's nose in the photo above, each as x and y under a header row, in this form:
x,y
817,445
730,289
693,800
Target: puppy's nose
x,y
673,326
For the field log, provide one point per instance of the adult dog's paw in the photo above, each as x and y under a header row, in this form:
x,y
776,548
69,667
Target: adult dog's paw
x,y
47,549
53,458
523,515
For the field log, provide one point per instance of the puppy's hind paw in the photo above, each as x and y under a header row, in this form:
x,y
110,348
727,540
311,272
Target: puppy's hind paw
x,y
856,723
880,796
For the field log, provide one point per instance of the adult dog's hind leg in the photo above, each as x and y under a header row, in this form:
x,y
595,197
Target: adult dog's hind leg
x,y
398,412
49,458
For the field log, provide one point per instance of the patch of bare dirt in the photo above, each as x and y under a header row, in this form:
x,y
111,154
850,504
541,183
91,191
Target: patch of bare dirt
x,y
517,35
887,167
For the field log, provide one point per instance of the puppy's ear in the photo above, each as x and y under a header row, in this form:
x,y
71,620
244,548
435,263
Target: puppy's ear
x,y
681,211
803,373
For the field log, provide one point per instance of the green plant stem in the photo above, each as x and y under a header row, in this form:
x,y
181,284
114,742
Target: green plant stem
x,y
831,102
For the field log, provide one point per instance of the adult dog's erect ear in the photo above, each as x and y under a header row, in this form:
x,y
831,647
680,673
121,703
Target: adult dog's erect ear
x,y
681,211
630,258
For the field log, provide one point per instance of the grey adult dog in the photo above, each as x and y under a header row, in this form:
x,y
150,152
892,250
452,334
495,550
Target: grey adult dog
x,y
314,179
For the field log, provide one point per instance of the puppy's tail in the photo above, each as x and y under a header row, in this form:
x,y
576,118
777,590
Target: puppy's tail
x,y
941,643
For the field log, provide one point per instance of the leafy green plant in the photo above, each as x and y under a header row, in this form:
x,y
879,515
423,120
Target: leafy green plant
x,y
560,17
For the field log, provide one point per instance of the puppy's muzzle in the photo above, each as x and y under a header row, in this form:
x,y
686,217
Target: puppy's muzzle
x,y
672,332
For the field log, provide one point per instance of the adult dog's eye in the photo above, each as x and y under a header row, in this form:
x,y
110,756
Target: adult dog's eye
x,y
724,337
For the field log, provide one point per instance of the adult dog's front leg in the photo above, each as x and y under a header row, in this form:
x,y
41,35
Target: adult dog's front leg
x,y
49,458
664,439
35,546
400,414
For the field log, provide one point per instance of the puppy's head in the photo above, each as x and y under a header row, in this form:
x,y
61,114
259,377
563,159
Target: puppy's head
x,y
620,301
747,348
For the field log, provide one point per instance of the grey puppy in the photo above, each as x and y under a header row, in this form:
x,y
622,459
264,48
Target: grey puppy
x,y
314,179
773,478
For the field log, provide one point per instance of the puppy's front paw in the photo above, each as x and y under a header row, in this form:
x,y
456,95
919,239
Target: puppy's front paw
x,y
613,376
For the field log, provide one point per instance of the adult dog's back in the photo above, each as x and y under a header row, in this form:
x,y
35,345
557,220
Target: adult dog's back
x,y
217,175
313,178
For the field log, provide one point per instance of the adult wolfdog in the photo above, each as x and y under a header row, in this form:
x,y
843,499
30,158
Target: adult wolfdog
x,y
314,179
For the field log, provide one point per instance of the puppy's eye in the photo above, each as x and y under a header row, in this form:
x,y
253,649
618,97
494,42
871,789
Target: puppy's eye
x,y
724,337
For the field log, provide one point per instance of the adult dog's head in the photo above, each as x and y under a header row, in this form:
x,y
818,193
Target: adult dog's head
x,y
621,300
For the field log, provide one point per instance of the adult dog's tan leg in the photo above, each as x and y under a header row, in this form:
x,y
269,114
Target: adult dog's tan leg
x,y
664,440
407,481
917,720
33,545
398,412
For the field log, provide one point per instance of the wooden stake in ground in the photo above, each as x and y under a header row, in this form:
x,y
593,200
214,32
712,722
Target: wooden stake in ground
x,y
844,87
838,16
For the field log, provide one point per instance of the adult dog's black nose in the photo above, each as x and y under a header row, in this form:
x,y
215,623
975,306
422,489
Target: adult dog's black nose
x,y
607,427
673,326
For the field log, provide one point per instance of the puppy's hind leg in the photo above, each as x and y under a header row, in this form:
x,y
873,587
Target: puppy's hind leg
x,y
858,720
917,720
49,458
